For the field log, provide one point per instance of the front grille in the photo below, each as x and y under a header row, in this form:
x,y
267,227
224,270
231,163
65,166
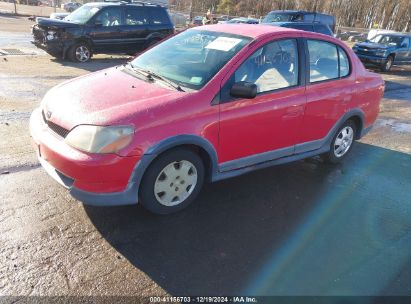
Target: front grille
x,y
54,127
365,51
39,35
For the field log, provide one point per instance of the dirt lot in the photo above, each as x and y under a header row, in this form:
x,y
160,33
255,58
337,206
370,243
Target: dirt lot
x,y
304,228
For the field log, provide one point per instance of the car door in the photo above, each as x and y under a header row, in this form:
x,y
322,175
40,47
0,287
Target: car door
x,y
329,92
265,127
105,30
402,51
136,26
408,58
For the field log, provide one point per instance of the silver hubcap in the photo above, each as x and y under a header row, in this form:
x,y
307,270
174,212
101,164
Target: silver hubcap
x,y
388,64
82,53
343,141
175,183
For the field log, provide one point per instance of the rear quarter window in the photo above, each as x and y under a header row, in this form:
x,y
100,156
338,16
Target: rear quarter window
x,y
159,16
322,29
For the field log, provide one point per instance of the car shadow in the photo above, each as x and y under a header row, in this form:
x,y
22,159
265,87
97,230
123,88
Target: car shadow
x,y
96,63
304,228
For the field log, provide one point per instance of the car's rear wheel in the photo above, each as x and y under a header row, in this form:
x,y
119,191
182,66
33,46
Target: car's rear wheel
x,y
387,65
342,143
172,181
80,52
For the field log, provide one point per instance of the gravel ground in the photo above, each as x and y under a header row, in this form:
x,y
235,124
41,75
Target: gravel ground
x,y
304,228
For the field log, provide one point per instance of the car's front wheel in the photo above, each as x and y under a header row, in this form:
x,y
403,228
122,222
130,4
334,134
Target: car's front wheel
x,y
172,181
387,65
342,143
80,52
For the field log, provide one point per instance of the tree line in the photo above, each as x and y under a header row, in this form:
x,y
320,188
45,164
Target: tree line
x,y
386,14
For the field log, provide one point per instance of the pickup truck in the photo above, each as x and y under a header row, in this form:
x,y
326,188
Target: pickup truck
x,y
385,50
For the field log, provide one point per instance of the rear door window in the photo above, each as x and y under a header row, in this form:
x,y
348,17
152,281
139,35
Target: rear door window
x,y
327,61
323,60
136,16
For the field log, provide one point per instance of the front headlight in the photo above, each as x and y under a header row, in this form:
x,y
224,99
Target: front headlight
x,y
96,139
380,53
51,35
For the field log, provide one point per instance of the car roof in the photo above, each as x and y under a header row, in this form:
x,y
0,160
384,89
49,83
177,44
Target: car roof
x,y
292,11
249,30
114,3
296,23
396,34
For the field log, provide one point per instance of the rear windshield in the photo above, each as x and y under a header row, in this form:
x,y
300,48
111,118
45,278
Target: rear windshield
x,y
282,17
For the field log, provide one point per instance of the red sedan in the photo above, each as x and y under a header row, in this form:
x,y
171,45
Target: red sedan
x,y
207,104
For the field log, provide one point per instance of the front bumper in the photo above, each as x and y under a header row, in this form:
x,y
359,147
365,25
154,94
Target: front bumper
x,y
96,179
54,48
371,59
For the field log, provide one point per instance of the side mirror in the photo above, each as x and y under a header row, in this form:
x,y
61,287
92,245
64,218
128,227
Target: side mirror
x,y
403,45
244,89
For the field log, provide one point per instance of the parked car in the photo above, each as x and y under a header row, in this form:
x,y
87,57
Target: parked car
x,y
224,18
243,20
306,26
360,37
204,105
103,27
33,2
59,16
293,16
385,50
71,6
179,19
197,20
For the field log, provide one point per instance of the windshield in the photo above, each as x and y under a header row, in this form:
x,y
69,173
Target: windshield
x,y
191,58
82,14
387,40
280,17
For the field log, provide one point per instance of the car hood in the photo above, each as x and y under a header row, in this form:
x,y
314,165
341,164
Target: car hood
x,y
108,97
372,45
55,23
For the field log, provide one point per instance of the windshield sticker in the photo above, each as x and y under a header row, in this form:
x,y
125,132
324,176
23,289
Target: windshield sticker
x,y
223,44
196,80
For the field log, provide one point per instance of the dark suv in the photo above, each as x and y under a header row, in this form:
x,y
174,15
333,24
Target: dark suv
x,y
385,50
103,27
306,26
300,16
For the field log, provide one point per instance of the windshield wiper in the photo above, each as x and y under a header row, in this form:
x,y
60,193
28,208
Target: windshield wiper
x,y
150,75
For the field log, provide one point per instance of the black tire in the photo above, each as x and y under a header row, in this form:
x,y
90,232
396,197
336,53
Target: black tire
x,y
152,42
332,156
73,54
148,197
387,65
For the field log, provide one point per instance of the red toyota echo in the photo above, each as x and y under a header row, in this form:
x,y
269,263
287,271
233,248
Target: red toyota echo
x,y
210,103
